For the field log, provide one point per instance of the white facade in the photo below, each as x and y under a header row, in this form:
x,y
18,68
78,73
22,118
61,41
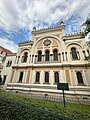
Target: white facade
x,y
50,57
7,70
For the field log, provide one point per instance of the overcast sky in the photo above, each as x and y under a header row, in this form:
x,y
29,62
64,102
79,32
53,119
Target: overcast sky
x,y
18,17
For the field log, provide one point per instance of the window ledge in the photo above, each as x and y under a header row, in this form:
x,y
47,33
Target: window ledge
x,y
81,84
19,81
55,83
36,82
55,60
46,83
75,59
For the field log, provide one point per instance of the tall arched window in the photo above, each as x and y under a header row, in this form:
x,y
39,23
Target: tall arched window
x,y
37,77
21,77
39,56
55,55
56,77
25,57
79,77
46,77
74,53
47,55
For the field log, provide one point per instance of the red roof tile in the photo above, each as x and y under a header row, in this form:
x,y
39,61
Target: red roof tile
x,y
6,50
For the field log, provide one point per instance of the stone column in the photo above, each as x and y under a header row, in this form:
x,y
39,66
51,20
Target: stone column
x,y
75,78
51,77
35,59
63,77
24,77
28,76
42,77
51,57
68,77
11,79
15,77
66,56
63,56
84,77
43,58
59,57
32,58
28,59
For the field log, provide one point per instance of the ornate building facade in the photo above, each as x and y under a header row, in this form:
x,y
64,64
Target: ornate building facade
x,y
50,57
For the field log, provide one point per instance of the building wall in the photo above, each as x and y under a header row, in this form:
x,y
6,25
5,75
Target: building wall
x,y
7,69
66,75
67,68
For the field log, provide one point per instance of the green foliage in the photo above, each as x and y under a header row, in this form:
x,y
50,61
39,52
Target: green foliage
x,y
87,26
12,111
75,111
86,31
88,60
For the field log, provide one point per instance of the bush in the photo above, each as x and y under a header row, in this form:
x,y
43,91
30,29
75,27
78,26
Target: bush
x,y
75,111
16,111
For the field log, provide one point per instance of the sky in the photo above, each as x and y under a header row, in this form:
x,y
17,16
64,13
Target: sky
x,y
18,17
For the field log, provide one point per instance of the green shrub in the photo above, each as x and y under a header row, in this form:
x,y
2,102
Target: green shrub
x,y
14,111
75,111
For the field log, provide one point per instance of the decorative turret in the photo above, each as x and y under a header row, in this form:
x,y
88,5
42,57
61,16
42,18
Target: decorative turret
x,y
62,23
34,28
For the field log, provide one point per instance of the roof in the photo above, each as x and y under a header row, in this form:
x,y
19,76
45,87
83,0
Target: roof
x,y
6,50
25,43
73,36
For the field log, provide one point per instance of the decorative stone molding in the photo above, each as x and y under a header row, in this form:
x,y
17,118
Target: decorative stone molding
x,y
47,42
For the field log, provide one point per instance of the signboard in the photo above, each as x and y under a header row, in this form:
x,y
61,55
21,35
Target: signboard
x,y
62,86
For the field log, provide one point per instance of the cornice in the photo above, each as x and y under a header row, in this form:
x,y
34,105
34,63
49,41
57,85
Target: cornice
x,y
73,36
48,30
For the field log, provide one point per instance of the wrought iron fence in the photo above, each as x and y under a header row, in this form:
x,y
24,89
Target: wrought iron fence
x,y
77,99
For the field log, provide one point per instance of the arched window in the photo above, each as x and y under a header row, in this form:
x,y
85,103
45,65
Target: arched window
x,y
21,77
25,57
79,77
39,56
46,77
56,77
74,53
37,77
47,54
55,55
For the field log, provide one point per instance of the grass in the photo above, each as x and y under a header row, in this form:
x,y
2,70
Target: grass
x,y
76,111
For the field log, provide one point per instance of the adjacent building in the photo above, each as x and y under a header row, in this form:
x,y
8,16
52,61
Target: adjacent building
x,y
6,60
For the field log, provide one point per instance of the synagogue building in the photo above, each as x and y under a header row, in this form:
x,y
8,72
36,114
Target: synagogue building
x,y
51,57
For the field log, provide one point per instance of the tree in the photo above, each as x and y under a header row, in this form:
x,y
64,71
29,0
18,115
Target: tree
x,y
86,32
87,25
